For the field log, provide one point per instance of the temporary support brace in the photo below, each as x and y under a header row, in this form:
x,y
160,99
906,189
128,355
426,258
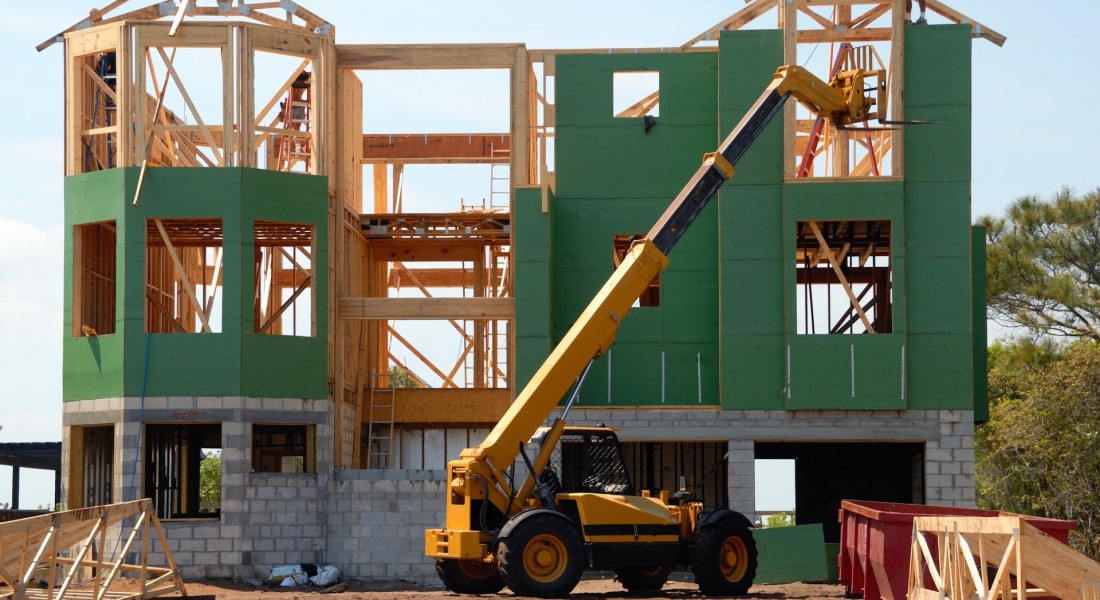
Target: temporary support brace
x,y
73,548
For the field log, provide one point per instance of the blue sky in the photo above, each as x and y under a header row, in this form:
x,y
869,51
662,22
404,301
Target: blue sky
x,y
1032,134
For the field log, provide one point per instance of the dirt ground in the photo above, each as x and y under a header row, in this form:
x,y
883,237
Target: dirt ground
x,y
591,587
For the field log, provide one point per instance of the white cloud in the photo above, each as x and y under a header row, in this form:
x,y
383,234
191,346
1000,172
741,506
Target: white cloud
x,y
31,260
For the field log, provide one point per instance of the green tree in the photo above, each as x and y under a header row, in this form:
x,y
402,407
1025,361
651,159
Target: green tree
x,y
210,480
1043,264
399,378
780,519
1039,453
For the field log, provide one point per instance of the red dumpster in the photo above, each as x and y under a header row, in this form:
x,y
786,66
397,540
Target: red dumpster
x,y
875,538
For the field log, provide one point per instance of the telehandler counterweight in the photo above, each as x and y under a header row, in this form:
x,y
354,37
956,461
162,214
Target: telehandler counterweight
x,y
576,507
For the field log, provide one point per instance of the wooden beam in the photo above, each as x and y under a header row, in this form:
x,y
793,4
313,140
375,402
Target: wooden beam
x,y
426,250
425,56
427,148
426,308
452,406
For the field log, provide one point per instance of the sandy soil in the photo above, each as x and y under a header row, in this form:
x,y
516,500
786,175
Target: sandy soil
x,y
588,588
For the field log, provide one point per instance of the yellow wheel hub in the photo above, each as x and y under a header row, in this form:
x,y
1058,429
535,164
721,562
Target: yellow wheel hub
x,y
545,558
477,569
734,558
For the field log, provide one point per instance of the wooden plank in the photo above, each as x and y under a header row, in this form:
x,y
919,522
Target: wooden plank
x,y
867,34
425,56
426,308
194,35
94,41
427,148
300,44
179,17
789,13
426,250
451,406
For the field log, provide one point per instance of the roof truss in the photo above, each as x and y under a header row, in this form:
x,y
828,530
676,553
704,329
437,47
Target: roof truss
x,y
285,14
859,28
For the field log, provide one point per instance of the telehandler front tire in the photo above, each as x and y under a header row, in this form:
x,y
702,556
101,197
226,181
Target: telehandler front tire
x,y
723,558
543,556
469,576
638,579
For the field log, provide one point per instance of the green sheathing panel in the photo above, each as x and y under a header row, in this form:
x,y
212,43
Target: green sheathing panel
x,y
942,337
231,362
278,365
828,372
750,231
531,281
790,554
92,366
614,178
981,371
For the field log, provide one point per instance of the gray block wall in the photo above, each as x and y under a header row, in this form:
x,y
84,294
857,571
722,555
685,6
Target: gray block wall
x,y
370,523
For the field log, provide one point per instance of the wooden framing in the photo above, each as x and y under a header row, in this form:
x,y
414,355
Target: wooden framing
x,y
283,134
844,25
62,546
386,245
375,245
995,558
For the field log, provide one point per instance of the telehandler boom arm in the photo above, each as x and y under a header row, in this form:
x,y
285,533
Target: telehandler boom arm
x,y
478,478
594,330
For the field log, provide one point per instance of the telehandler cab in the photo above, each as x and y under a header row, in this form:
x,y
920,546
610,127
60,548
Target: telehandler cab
x,y
576,507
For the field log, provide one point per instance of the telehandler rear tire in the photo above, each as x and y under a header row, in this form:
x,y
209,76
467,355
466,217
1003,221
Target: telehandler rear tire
x,y
639,579
723,558
469,576
543,556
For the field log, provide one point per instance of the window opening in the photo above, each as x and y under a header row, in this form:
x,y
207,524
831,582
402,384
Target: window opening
x,y
636,94
775,491
282,449
652,294
94,273
285,278
844,279
93,476
183,275
183,469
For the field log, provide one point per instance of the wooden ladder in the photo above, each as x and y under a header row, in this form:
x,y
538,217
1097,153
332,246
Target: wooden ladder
x,y
380,423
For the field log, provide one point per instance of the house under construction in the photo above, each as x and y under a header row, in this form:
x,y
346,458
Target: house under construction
x,y
247,279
